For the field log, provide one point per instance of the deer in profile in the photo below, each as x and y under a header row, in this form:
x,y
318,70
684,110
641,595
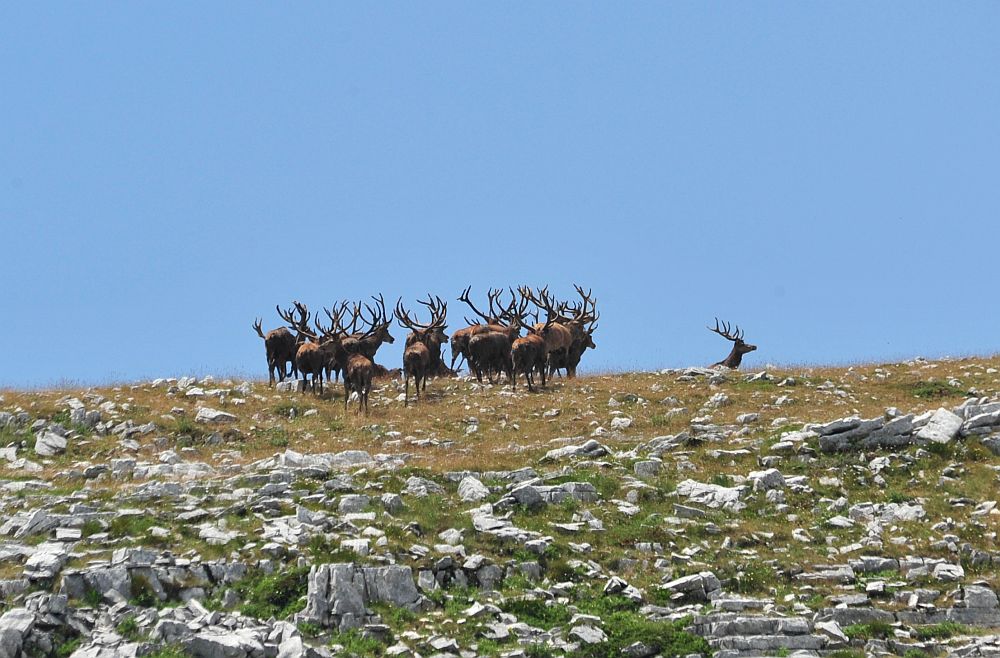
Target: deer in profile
x,y
281,344
422,343
581,320
740,347
368,342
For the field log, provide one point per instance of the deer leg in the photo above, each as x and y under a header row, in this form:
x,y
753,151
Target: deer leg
x,y
406,399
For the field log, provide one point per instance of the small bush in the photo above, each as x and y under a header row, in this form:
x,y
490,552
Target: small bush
x,y
538,651
129,628
846,653
131,525
277,595
871,630
916,653
536,612
722,480
143,594
934,389
669,639
754,578
941,631
357,645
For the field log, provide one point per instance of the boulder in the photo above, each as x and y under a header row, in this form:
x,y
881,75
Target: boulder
x,y
472,490
207,415
942,427
49,444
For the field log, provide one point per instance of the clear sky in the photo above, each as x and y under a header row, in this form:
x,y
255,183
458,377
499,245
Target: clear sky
x,y
825,174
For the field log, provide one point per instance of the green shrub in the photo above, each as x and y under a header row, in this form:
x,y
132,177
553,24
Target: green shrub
x,y
537,612
941,631
277,595
934,389
722,480
875,629
357,645
129,628
538,651
669,639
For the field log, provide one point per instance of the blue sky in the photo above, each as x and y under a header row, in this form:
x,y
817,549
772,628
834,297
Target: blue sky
x,y
824,174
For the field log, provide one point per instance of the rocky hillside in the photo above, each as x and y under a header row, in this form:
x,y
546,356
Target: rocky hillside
x,y
834,512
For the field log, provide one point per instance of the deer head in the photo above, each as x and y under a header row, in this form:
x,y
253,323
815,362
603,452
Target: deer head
x,y
740,347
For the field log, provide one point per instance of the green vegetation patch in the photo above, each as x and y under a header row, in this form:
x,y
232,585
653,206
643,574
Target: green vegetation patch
x,y
277,595
537,612
869,631
930,390
668,639
941,631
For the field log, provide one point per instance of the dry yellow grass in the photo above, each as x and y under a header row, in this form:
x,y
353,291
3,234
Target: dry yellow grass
x,y
512,428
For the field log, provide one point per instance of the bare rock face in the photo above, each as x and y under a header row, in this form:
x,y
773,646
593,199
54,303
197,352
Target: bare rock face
x,y
49,444
942,427
207,415
339,594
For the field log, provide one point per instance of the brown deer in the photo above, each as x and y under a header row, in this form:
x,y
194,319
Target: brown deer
x,y
358,374
489,352
557,335
582,325
279,344
739,346
460,339
367,343
489,349
297,318
422,341
528,355
433,335
571,359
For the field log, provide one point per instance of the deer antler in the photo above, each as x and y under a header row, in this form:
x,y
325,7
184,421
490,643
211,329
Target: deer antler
x,y
258,328
406,321
288,316
464,297
726,331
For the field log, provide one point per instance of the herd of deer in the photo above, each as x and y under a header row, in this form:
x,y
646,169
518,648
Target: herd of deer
x,y
491,346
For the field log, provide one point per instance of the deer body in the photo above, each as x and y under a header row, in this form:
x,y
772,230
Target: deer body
x,y
358,375
527,356
280,347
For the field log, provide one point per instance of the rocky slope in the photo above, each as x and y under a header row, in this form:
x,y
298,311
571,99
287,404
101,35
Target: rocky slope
x,y
798,511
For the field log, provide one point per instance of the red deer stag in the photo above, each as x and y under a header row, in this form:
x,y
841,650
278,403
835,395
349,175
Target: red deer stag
x,y
739,346
435,340
421,343
367,343
489,350
359,369
297,318
358,374
460,339
279,344
582,325
556,334
528,355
